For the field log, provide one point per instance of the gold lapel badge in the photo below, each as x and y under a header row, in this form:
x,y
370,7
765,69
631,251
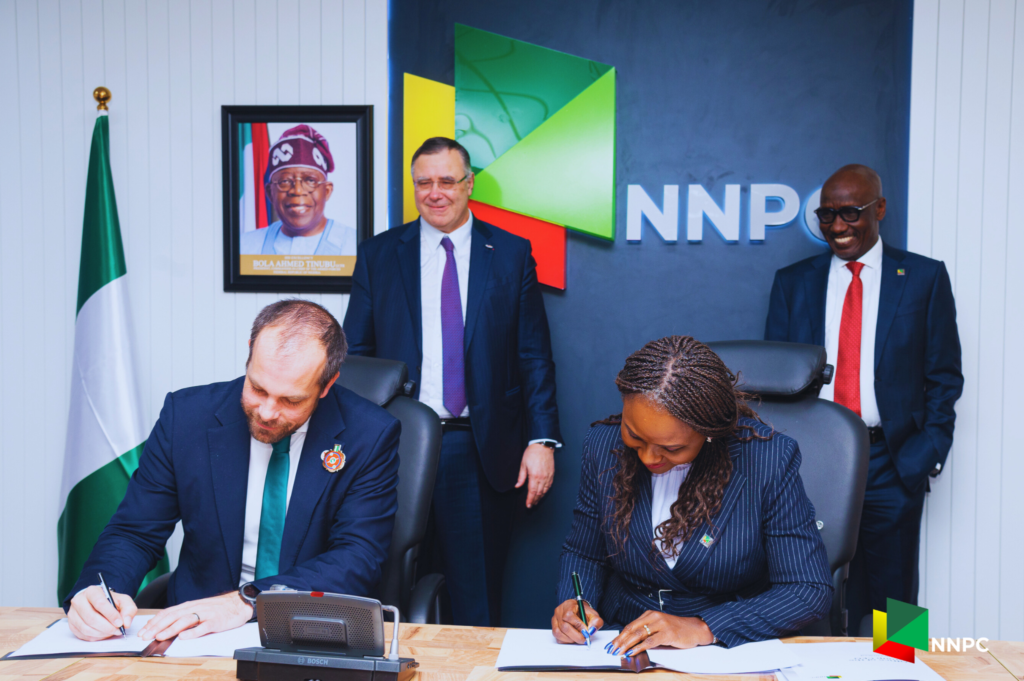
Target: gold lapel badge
x,y
334,459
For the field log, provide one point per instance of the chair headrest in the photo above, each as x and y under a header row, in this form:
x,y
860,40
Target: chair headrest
x,y
377,380
770,368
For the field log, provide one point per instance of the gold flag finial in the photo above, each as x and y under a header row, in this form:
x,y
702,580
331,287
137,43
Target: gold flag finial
x,y
102,96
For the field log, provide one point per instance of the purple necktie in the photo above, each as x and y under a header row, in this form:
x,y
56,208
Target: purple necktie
x,y
452,330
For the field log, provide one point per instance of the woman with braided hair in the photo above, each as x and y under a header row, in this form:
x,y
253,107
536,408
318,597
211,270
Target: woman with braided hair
x,y
692,526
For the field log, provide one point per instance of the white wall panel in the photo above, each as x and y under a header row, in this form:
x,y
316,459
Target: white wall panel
x,y
992,305
33,198
54,371
1011,560
966,174
170,65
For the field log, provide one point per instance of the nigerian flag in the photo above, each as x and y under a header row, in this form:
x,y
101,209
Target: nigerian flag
x,y
106,430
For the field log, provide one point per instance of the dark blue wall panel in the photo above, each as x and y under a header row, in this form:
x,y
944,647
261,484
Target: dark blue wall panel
x,y
715,93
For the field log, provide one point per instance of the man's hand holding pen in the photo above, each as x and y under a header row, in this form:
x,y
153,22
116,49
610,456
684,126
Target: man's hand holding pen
x,y
92,617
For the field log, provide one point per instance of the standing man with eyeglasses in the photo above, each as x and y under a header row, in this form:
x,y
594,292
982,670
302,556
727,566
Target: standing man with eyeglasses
x,y
888,322
458,301
297,184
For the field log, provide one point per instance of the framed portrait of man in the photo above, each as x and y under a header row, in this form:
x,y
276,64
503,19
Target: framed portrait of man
x,y
297,196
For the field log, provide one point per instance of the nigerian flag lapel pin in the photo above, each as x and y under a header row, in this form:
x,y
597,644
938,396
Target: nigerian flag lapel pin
x,y
334,459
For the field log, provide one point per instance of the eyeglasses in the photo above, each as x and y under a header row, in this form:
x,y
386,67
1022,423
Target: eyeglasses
x,y
444,184
849,214
309,184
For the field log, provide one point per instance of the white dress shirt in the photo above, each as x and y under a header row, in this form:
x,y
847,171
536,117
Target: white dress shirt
x,y
664,492
432,261
839,278
259,462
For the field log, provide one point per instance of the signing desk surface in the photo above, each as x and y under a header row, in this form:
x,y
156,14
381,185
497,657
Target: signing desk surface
x,y
445,653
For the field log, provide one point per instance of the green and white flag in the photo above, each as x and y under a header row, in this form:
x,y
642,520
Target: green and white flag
x,y
106,429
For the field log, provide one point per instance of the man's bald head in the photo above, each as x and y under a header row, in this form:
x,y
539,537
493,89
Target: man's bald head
x,y
853,186
856,173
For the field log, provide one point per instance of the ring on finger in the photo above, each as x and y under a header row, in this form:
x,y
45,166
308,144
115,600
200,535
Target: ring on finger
x,y
198,619
647,630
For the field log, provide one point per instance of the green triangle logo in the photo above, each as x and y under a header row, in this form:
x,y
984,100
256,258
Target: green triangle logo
x,y
564,171
506,88
907,624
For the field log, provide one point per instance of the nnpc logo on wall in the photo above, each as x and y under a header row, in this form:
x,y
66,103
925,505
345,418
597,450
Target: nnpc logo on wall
x,y
899,630
539,126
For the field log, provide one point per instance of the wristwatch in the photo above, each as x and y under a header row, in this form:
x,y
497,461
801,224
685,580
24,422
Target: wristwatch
x,y
248,593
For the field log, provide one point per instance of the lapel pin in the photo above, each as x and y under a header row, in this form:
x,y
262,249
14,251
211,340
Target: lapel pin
x,y
489,246
900,272
334,459
707,540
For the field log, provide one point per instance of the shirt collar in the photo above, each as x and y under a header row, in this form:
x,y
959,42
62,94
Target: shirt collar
x,y
431,236
872,259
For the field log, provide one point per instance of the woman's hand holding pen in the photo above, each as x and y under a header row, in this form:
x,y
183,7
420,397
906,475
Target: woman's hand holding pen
x,y
653,629
567,626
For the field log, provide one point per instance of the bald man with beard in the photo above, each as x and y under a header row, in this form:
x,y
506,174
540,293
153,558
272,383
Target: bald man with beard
x,y
887,320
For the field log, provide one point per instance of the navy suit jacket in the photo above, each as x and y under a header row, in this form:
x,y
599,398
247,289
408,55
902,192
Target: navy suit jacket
x,y
917,349
765,575
510,375
195,468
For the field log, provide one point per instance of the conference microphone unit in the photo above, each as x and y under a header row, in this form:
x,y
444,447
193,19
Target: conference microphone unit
x,y
317,636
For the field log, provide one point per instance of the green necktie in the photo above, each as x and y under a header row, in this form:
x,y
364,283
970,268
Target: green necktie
x,y
275,505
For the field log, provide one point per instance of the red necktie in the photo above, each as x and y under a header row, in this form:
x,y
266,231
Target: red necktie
x,y
848,361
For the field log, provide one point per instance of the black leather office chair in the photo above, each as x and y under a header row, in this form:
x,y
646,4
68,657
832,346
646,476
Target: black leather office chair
x,y
385,382
833,440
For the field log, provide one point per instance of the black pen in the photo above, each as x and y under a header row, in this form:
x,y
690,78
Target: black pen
x,y
106,592
579,604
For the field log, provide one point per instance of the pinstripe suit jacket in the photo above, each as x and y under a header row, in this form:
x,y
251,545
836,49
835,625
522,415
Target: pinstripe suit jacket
x,y
765,575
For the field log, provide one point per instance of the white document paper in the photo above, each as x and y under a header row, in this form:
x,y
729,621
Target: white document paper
x,y
58,640
223,644
538,648
762,656
854,661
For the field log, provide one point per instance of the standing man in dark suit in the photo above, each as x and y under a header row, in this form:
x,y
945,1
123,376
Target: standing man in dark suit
x,y
278,477
458,301
888,322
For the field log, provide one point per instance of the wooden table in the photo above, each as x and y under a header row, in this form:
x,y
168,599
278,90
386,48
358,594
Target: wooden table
x,y
445,653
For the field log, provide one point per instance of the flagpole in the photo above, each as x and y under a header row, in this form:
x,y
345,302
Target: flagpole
x,y
106,431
